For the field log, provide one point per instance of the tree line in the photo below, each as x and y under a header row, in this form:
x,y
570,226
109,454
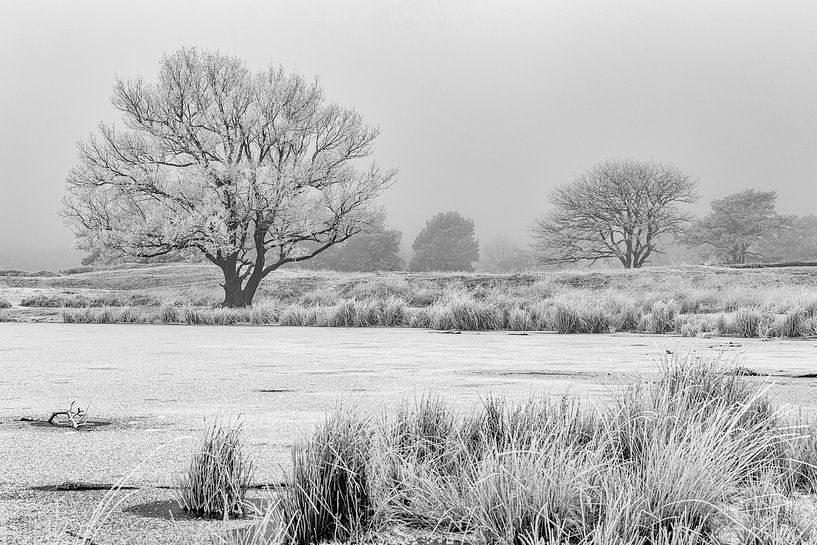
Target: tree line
x,y
629,211
253,171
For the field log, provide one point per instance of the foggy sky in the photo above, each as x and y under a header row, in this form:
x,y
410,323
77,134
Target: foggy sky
x,y
484,106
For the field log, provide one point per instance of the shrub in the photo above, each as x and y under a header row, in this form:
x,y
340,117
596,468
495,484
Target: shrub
x,y
4,304
218,475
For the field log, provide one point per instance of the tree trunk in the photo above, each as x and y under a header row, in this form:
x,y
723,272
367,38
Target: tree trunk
x,y
234,295
237,295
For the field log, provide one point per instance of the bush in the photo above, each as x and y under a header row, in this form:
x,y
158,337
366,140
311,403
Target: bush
x,y
218,475
4,304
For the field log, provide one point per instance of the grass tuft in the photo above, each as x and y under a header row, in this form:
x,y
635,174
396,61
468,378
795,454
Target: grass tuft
x,y
327,497
218,475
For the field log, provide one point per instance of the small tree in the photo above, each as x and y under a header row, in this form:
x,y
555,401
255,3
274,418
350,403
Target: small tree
x,y
617,209
501,255
252,170
446,243
737,225
366,252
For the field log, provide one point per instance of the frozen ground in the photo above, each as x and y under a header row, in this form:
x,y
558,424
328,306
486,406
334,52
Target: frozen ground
x,y
157,383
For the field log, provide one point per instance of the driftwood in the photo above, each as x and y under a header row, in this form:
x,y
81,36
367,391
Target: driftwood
x,y
76,417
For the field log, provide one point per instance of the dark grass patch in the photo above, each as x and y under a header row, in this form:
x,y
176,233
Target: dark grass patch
x,y
87,425
170,510
540,373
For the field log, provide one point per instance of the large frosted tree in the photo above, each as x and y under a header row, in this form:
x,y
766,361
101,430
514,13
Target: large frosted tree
x,y
253,170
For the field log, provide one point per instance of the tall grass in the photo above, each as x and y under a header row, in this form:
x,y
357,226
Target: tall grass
x,y
218,475
688,302
666,464
327,497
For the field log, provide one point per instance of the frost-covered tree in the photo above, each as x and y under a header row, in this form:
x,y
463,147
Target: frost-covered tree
x,y
620,210
253,170
737,225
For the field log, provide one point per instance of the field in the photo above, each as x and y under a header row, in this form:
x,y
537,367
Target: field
x,y
689,301
394,434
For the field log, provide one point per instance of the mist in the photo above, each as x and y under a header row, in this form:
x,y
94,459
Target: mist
x,y
484,107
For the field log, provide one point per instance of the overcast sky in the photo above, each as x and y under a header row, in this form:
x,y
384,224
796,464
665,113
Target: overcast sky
x,y
484,106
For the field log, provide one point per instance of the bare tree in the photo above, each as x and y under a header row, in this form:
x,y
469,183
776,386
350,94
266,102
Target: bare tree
x,y
254,170
617,209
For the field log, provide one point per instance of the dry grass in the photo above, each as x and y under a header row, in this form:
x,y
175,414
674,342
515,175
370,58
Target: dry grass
x,y
216,480
666,464
684,300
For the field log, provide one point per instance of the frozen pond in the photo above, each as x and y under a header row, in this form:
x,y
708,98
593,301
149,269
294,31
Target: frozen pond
x,y
156,384
194,370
